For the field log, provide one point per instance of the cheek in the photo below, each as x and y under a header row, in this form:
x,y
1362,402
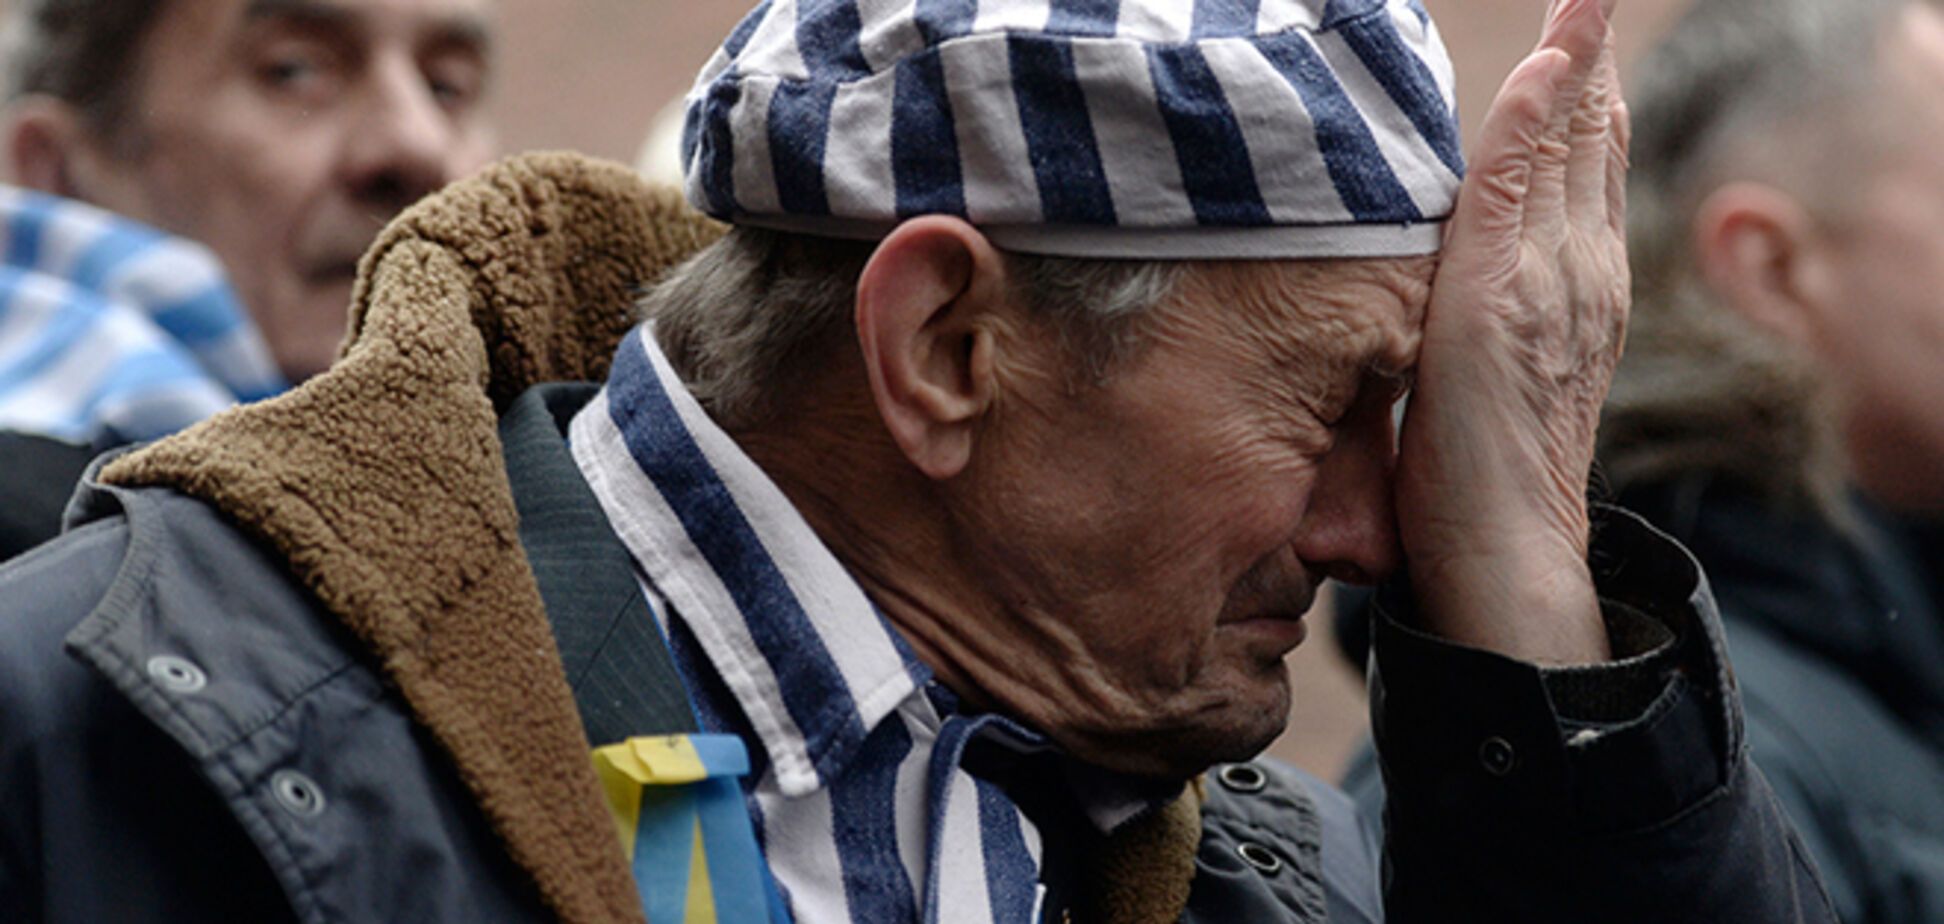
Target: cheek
x,y
1229,522
1891,322
473,153
244,178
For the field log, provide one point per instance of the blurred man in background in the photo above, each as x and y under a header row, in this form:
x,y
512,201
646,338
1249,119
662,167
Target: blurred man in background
x,y
1781,407
278,134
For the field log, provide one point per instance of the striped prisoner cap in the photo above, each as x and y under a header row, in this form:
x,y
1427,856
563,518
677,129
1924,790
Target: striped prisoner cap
x,y
1155,129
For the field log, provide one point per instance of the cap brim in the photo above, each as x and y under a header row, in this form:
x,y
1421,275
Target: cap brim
x,y
1275,242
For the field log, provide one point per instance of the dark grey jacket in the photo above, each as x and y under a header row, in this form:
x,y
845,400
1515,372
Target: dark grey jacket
x,y
166,760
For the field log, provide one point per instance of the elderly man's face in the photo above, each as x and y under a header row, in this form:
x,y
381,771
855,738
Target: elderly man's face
x,y
284,133
1166,531
1881,336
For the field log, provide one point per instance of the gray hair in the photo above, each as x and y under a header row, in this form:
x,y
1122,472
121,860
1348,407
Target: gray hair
x,y
84,52
1728,97
750,318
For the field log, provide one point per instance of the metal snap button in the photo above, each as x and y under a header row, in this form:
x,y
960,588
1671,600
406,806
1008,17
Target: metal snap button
x,y
1243,778
1265,861
1496,756
176,674
297,793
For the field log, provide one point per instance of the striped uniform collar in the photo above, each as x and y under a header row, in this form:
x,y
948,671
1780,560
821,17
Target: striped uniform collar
x,y
811,662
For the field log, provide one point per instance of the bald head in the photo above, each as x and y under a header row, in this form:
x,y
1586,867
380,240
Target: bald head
x,y
1787,236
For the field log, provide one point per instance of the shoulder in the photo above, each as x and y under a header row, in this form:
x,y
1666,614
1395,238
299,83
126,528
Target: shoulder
x,y
44,594
138,551
1825,739
41,475
1815,723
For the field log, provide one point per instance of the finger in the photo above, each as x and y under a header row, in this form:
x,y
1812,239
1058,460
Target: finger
x,y
1590,145
1619,158
1491,205
1578,28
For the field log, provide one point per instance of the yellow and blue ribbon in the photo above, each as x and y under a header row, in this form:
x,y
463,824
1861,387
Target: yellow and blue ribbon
x,y
678,809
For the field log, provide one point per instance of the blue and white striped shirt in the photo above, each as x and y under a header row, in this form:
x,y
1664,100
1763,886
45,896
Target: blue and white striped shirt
x,y
857,789
111,331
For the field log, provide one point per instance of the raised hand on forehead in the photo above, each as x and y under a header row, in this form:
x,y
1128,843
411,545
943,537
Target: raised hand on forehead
x,y
1527,315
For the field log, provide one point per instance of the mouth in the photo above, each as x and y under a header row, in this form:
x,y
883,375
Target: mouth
x,y
346,267
336,272
1269,608
1282,629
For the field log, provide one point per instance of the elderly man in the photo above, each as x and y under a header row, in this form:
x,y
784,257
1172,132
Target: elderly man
x,y
951,517
280,136
1780,410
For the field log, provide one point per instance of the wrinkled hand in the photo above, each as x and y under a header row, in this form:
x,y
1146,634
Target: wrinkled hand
x,y
1527,314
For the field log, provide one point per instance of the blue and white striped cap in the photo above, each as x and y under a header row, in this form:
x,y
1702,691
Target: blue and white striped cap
x,y
1156,129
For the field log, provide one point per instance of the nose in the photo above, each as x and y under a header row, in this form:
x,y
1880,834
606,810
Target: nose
x,y
1349,531
405,144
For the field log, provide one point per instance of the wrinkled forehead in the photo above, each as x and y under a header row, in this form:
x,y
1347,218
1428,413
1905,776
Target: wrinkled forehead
x,y
464,22
1364,314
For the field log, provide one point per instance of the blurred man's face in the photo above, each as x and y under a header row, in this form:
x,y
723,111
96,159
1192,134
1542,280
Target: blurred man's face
x,y
1883,342
284,133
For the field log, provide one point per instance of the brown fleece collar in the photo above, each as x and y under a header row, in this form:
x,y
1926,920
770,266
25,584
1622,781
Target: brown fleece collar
x,y
382,483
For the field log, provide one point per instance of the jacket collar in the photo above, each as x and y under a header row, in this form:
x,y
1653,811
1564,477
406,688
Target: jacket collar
x,y
810,661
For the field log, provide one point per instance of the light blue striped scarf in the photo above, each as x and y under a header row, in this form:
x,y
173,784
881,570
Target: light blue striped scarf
x,y
114,332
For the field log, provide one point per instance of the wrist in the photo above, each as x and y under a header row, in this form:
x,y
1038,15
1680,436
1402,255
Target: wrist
x,y
1531,601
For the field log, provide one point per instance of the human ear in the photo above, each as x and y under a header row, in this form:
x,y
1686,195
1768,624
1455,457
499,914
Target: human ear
x,y
42,138
925,305
1755,246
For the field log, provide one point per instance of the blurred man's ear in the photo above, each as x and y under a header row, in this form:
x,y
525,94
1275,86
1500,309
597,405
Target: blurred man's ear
x,y
1757,248
40,140
926,308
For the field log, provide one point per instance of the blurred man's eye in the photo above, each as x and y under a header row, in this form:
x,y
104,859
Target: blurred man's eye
x,y
456,83
296,70
288,71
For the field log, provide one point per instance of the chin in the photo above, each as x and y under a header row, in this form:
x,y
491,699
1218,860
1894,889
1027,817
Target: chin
x,y
1236,731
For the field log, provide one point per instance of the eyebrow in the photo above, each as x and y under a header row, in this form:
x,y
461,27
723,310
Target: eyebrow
x,y
461,30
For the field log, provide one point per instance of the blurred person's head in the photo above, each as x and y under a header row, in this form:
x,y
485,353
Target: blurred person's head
x,y
1787,233
282,134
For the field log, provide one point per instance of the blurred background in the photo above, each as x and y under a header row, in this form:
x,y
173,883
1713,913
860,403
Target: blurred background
x,y
592,75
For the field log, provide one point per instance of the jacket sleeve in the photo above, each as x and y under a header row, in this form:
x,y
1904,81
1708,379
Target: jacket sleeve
x,y
1621,792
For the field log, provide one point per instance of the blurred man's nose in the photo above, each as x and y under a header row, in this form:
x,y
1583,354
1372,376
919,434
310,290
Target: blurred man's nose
x,y
1349,531
405,144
